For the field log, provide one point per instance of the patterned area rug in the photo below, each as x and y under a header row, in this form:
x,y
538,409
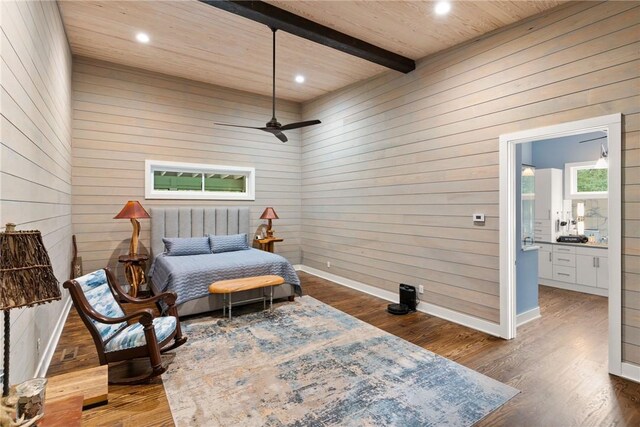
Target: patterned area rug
x,y
308,364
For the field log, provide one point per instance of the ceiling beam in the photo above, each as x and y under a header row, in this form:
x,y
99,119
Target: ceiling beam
x,y
280,19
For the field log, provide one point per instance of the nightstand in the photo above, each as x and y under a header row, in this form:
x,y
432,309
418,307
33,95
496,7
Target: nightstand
x,y
266,244
134,270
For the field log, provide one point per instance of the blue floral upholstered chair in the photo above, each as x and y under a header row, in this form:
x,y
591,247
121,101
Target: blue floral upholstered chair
x,y
117,337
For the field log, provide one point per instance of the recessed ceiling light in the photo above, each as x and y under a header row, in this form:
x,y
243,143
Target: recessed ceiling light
x,y
143,37
442,7
299,78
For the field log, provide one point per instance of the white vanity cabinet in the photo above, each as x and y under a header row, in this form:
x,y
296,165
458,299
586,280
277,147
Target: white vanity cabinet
x,y
592,267
573,267
548,206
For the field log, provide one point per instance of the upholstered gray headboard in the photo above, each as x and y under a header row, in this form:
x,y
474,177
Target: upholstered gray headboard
x,y
195,222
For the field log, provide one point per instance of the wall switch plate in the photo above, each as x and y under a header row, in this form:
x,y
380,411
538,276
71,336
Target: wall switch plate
x,y
478,217
421,289
328,264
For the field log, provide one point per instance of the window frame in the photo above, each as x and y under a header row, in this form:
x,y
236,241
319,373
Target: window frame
x,y
571,182
151,166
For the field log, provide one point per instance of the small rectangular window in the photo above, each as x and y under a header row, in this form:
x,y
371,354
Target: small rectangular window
x,y
173,180
586,181
592,180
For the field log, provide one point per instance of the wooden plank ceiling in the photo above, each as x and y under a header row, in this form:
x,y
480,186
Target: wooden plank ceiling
x,y
193,40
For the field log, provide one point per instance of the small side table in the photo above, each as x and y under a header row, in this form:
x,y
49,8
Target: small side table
x,y
266,244
134,270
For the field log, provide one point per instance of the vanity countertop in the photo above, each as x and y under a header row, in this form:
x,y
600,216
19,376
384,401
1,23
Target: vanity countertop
x,y
584,245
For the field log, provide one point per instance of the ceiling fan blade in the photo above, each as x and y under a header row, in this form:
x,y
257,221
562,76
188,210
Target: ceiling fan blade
x,y
281,136
298,125
237,126
275,131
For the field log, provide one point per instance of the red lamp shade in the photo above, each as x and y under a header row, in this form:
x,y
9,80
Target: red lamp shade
x,y
132,210
269,213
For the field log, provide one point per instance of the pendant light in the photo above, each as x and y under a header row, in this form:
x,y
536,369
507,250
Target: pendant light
x,y
602,162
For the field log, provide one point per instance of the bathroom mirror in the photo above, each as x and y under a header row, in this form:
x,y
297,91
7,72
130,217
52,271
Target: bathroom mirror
x,y
528,204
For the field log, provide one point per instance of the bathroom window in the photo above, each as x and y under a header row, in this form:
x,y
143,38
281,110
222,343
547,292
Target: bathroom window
x,y
174,180
586,181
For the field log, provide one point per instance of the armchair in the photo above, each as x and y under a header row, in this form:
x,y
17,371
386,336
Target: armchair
x,y
119,337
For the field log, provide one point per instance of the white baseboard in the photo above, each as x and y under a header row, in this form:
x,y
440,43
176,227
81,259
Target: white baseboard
x,y
47,354
528,316
630,372
434,310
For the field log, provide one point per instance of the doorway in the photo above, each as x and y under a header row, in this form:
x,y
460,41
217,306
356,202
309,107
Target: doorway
x,y
509,171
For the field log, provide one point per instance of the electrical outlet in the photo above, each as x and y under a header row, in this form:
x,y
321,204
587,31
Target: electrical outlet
x,y
328,264
421,289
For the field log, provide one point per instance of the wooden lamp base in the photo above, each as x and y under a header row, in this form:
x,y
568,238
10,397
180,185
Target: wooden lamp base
x,y
133,245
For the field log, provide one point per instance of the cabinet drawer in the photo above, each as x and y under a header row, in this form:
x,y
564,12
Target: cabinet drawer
x,y
564,249
564,274
544,236
542,223
600,252
568,260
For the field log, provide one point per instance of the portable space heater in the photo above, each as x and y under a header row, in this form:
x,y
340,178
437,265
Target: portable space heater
x,y
408,300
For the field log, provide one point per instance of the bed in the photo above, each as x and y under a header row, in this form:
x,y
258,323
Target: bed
x,y
189,276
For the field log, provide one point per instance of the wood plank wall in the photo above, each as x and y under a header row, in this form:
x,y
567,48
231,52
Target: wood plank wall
x,y
401,162
122,116
35,178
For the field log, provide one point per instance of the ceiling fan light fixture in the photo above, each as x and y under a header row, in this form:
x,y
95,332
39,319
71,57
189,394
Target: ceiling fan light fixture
x,y
442,7
299,78
143,37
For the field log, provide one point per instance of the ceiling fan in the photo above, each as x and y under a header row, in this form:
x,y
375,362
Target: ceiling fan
x,y
273,126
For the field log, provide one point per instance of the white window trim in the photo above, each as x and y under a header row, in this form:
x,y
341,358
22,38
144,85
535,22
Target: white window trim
x,y
152,165
571,182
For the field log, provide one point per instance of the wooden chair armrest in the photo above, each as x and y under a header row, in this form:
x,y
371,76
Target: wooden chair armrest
x,y
169,297
145,314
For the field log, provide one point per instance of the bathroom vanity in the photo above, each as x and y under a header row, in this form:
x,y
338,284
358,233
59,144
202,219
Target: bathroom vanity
x,y
577,267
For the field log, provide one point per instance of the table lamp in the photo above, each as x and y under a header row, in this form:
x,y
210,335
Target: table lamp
x,y
269,214
26,279
133,210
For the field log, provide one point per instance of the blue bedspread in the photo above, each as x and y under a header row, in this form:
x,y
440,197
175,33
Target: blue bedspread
x,y
190,276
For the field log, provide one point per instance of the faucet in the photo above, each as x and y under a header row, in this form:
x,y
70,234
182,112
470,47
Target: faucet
x,y
524,241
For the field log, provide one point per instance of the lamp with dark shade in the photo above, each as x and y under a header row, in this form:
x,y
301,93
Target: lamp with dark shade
x,y
133,210
269,213
26,279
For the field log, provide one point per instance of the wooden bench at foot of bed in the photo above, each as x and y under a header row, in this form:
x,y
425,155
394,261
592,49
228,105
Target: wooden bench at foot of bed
x,y
228,287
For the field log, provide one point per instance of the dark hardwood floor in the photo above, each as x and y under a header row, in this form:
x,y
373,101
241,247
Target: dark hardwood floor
x,y
558,362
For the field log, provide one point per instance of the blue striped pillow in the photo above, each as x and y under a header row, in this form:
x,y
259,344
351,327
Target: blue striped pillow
x,y
228,243
179,246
